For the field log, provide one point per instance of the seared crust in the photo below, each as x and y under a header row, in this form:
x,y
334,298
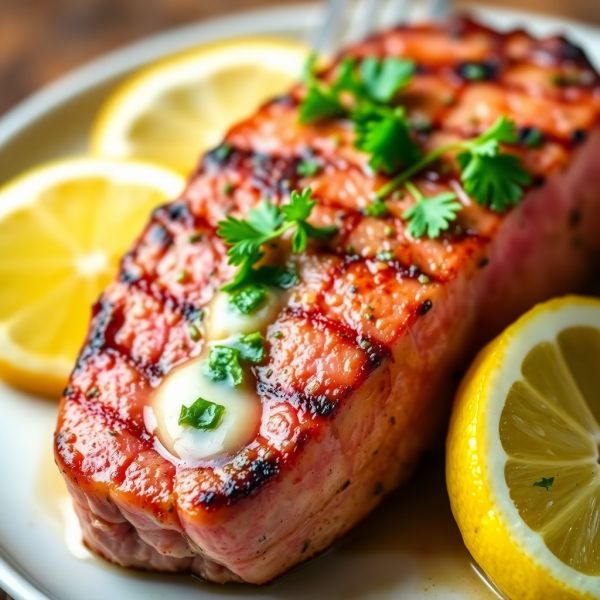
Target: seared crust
x,y
346,317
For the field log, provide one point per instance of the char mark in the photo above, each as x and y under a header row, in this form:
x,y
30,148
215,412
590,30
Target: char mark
x,y
242,484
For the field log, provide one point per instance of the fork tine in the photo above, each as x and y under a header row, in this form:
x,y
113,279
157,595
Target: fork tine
x,y
438,9
325,38
396,12
363,18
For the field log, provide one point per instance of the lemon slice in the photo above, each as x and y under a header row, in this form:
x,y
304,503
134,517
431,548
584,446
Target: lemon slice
x,y
522,454
173,110
63,228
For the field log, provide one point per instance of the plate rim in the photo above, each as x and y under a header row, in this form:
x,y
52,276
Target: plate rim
x,y
13,578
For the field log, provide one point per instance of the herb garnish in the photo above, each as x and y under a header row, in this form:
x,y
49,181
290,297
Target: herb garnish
x,y
430,215
224,361
545,483
202,414
490,177
264,223
224,365
249,297
308,168
384,134
362,92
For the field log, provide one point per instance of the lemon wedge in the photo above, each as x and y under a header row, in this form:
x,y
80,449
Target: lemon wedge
x,y
522,454
175,109
63,228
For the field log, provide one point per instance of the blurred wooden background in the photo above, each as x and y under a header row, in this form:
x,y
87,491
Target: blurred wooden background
x,y
42,39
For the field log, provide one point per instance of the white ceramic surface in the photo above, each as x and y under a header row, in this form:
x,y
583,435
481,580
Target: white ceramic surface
x,y
409,548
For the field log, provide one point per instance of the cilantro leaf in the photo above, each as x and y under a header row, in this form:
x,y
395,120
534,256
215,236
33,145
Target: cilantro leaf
x,y
298,210
264,223
202,414
493,179
251,347
376,208
224,365
308,168
265,218
318,104
382,79
430,215
249,297
489,176
275,275
502,131
300,206
384,134
545,483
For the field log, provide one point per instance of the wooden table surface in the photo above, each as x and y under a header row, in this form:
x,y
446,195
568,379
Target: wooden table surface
x,y
42,39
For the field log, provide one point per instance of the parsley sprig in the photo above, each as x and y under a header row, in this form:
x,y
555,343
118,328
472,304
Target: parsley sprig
x,y
368,82
430,215
489,176
362,91
265,223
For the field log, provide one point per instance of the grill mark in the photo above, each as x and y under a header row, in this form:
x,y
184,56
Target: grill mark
x,y
241,485
96,408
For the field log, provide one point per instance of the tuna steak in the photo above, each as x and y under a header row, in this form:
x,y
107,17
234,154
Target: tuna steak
x,y
364,354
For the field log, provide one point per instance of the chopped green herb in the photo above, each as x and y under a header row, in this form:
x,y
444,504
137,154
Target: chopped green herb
x,y
566,79
389,231
533,138
183,276
383,78
384,255
545,483
277,335
249,297
196,237
384,134
194,332
228,187
490,177
377,208
251,347
202,414
223,152
422,125
112,432
369,317
350,249
308,168
263,224
423,278
474,72
224,365
364,344
92,392
430,215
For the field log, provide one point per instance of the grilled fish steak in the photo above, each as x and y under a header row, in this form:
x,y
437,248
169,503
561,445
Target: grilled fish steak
x,y
364,355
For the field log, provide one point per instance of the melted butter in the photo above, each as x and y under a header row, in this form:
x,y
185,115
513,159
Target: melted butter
x,y
239,424
241,420
225,320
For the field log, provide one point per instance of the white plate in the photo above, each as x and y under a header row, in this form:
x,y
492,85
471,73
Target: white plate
x,y
409,548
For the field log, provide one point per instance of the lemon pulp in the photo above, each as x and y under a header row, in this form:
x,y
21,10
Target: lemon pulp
x,y
173,110
549,430
63,229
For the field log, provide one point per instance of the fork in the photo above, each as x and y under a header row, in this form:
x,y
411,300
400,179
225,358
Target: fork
x,y
350,20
